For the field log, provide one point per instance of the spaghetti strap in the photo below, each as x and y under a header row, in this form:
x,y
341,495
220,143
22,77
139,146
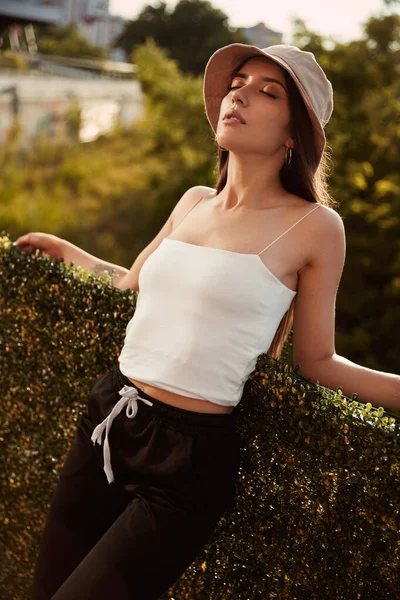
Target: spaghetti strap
x,y
306,215
191,208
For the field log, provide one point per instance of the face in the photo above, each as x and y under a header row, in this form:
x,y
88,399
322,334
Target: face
x,y
258,93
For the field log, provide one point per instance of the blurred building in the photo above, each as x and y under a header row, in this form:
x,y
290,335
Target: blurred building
x,y
40,12
42,104
78,10
94,21
41,97
101,30
261,36
92,17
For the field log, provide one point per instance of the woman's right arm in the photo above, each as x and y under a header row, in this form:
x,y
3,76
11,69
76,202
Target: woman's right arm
x,y
60,249
74,255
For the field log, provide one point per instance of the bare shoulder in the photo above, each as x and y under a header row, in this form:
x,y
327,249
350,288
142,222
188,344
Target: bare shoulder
x,y
330,215
324,226
329,224
324,217
188,200
327,239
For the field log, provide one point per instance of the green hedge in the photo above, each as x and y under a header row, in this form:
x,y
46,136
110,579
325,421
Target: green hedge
x,y
317,510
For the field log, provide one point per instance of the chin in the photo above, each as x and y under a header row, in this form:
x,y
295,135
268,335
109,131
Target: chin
x,y
227,142
236,148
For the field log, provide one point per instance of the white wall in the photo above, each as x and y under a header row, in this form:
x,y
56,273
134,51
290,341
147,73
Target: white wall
x,y
45,98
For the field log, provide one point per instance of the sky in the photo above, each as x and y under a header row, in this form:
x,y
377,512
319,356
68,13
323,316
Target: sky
x,y
341,19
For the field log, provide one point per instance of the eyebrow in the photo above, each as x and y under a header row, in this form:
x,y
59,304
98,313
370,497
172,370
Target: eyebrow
x,y
244,76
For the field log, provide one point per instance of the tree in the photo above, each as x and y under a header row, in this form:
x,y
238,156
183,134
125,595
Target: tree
x,y
190,33
66,41
363,134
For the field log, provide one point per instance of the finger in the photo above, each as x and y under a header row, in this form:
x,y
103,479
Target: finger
x,y
20,242
31,240
23,239
28,238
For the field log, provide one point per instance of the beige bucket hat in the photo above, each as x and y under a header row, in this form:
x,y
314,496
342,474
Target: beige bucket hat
x,y
313,85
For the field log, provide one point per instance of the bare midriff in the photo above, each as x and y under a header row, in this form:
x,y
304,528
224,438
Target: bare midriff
x,y
204,406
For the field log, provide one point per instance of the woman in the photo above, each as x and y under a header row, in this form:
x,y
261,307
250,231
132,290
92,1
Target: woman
x,y
211,300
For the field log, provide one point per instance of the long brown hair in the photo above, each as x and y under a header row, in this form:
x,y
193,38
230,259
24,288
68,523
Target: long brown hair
x,y
304,177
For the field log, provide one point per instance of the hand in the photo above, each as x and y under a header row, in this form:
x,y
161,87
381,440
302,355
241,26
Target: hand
x,y
48,244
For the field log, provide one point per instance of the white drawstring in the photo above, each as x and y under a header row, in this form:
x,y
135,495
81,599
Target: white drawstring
x,y
130,396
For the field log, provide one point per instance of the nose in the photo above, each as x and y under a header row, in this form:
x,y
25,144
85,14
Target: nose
x,y
239,95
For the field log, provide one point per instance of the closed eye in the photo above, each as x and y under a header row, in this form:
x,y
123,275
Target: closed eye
x,y
266,93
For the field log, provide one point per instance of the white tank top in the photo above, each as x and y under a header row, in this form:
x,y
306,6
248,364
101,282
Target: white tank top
x,y
203,316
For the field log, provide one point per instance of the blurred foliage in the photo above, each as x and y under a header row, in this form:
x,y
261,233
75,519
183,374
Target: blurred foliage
x,y
73,119
364,134
66,41
316,512
12,60
189,33
112,196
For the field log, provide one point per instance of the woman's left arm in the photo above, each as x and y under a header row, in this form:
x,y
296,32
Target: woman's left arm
x,y
314,322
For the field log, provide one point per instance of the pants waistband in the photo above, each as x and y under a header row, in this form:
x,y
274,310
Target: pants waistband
x,y
173,412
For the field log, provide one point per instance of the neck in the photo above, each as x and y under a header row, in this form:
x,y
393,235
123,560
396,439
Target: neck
x,y
253,183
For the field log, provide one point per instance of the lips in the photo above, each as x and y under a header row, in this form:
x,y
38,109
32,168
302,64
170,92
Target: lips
x,y
234,113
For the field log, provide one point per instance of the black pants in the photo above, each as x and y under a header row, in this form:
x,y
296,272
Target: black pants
x,y
175,473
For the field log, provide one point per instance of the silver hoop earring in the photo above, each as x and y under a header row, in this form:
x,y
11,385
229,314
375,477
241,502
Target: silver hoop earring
x,y
288,161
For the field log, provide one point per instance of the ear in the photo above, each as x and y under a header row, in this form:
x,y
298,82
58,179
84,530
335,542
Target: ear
x,y
290,142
